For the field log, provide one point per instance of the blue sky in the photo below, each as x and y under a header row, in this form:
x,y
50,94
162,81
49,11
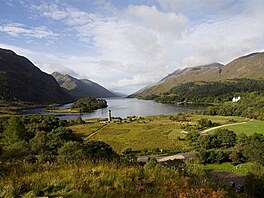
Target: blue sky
x,y
128,44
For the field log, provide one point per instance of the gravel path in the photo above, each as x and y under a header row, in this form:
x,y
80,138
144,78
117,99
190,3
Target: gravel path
x,y
91,135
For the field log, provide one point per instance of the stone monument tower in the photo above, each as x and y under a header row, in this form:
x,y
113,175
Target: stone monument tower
x,y
109,116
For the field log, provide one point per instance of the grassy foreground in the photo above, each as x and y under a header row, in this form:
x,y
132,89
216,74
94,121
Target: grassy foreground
x,y
105,179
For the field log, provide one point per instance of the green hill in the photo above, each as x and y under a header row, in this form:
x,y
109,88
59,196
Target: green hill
x,y
82,87
21,80
250,67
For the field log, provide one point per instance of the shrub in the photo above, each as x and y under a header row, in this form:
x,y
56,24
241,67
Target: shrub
x,y
71,151
97,150
17,150
79,120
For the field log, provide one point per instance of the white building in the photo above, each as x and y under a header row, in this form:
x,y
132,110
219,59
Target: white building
x,y
236,99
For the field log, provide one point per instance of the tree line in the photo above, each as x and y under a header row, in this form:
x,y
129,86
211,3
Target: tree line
x,y
46,138
210,92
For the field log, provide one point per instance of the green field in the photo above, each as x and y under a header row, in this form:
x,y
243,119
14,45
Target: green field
x,y
219,119
155,131
252,126
147,133
241,169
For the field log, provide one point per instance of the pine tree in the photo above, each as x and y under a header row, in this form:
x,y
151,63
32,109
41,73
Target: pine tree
x,y
14,130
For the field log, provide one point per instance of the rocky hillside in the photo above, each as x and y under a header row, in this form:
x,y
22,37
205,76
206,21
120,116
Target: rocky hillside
x,y
82,87
250,66
21,80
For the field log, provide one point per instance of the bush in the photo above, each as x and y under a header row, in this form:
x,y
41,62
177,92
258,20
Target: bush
x,y
126,151
71,151
212,156
17,150
225,138
253,148
193,136
97,150
59,136
79,120
237,157
254,181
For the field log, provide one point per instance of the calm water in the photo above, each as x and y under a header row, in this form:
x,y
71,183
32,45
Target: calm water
x,y
123,107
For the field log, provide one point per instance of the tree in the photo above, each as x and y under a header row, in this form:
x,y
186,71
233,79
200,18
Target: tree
x,y
204,142
225,137
14,131
204,122
254,148
39,143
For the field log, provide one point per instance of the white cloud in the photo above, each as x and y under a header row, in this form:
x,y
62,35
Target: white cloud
x,y
140,44
167,23
183,5
18,29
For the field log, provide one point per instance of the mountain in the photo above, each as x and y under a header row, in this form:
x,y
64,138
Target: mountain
x,y
82,87
250,66
21,80
197,71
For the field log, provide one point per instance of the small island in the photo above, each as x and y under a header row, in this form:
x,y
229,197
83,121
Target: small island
x,y
89,104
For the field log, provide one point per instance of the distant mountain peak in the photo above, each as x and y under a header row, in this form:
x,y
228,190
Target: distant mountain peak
x,y
251,55
180,71
250,66
82,87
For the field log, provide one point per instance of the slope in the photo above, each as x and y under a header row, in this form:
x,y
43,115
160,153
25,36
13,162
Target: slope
x,y
250,66
82,87
21,80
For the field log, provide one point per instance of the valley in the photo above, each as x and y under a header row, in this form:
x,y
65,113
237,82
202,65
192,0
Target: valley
x,y
131,99
210,130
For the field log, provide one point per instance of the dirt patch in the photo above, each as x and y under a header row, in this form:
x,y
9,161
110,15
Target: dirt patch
x,y
228,177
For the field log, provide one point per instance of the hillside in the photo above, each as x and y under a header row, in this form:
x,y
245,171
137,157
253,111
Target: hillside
x,y
21,80
250,66
82,87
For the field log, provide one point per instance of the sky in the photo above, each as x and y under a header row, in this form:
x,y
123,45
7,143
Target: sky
x,y
125,45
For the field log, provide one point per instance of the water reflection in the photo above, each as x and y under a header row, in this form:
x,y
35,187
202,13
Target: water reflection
x,y
123,107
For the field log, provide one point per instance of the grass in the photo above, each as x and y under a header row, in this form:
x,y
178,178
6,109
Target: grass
x,y
4,115
249,128
241,169
87,129
155,131
105,179
64,110
218,119
149,133
253,126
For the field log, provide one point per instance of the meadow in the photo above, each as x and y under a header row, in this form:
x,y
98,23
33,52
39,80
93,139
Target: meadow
x,y
151,132
249,128
240,169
